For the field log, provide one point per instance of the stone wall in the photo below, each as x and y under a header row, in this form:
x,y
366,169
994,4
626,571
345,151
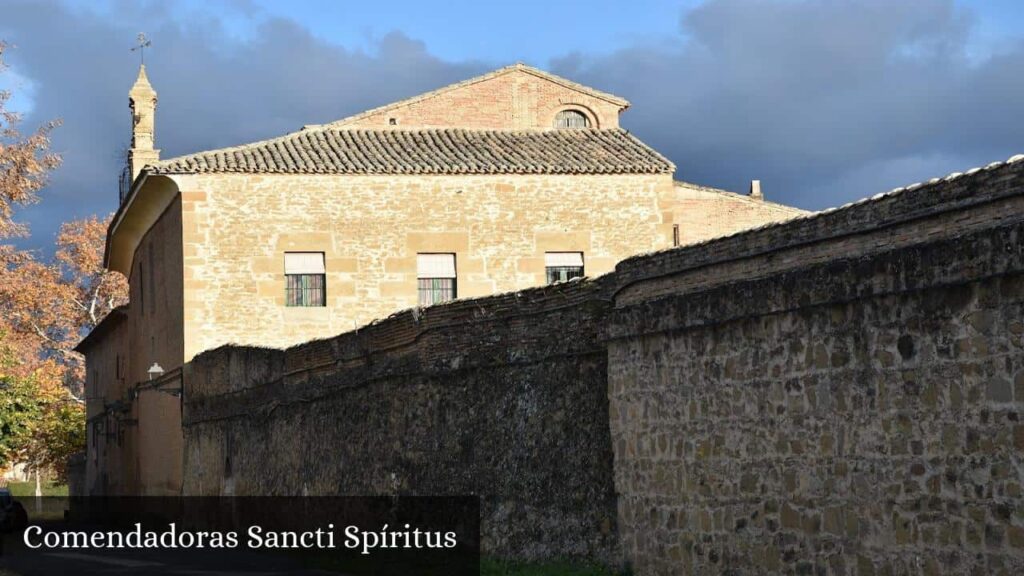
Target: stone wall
x,y
108,467
134,441
155,324
133,432
837,395
502,397
237,228
701,213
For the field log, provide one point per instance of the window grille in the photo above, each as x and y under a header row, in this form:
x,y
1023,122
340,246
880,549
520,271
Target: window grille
x,y
563,266
305,279
571,119
436,290
305,290
436,279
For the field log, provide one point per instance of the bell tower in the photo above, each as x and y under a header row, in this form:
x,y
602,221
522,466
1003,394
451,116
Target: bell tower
x,y
142,100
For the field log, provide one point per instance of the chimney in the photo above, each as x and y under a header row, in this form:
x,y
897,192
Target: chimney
x,y
142,100
755,190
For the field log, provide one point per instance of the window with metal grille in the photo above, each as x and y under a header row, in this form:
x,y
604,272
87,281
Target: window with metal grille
x,y
305,279
435,277
563,266
571,119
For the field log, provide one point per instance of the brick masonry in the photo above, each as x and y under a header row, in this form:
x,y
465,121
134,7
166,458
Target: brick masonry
x,y
513,98
701,213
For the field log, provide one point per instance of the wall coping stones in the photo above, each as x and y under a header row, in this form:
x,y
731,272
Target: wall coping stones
x,y
392,346
955,192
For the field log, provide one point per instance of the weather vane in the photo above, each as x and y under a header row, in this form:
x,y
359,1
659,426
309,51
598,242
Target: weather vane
x,y
143,43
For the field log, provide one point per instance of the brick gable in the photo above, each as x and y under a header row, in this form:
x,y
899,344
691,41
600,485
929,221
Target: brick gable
x,y
514,98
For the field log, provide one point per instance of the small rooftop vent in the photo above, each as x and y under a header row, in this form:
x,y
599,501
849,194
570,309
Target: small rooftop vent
x,y
755,190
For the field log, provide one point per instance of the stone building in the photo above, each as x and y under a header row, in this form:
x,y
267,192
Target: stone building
x,y
506,181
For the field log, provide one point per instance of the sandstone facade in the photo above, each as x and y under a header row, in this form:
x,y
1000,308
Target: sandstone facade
x,y
134,442
107,464
700,212
238,227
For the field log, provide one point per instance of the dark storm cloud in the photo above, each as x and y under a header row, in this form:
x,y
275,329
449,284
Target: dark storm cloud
x,y
826,101
214,89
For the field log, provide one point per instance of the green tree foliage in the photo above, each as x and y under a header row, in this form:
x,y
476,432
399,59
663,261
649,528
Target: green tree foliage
x,y
37,428
61,433
20,410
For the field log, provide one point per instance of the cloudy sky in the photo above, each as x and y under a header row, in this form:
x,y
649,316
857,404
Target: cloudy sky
x,y
824,101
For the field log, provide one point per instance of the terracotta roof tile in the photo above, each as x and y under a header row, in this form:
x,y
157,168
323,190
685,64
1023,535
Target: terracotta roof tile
x,y
430,151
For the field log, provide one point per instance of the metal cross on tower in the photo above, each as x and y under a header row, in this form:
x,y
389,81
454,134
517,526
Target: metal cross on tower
x,y
142,44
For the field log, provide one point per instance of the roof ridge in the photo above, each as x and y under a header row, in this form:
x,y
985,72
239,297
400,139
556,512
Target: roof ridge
x,y
952,176
676,181
480,78
739,196
572,84
448,150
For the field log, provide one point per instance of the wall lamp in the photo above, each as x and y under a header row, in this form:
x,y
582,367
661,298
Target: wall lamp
x,y
155,371
158,379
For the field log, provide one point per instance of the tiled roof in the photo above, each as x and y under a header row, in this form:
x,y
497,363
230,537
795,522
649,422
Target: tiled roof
x,y
328,150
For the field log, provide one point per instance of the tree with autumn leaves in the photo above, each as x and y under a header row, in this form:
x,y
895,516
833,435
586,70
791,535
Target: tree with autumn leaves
x,y
46,306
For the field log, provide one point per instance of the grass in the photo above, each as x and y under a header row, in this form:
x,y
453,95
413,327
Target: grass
x,y
28,489
50,507
489,567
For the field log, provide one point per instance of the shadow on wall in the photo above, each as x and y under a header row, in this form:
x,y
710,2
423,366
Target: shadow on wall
x,y
502,397
839,390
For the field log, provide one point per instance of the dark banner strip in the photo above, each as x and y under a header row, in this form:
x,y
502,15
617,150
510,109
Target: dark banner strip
x,y
265,535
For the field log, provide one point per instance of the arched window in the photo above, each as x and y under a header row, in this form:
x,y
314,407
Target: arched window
x,y
571,119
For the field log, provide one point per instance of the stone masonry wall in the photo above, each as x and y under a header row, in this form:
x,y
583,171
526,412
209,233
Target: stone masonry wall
x,y
107,469
503,397
840,394
702,213
237,228
836,395
154,319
